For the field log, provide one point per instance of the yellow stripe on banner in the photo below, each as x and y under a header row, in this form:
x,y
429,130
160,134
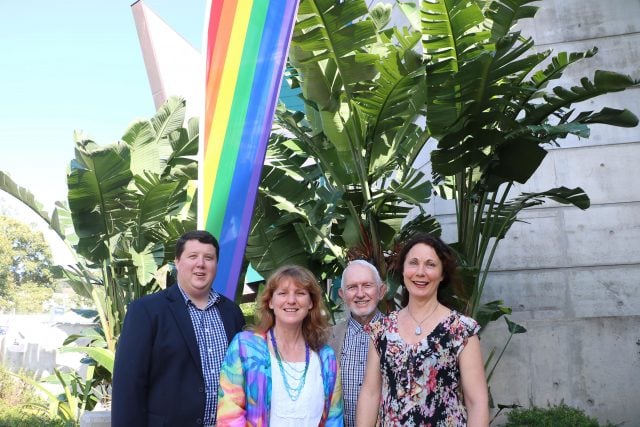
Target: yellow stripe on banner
x,y
228,83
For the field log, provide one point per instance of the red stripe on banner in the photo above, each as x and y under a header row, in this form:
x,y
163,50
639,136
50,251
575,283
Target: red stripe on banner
x,y
216,56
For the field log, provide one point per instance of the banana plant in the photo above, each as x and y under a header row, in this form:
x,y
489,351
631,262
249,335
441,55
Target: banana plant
x,y
339,178
125,199
128,203
493,115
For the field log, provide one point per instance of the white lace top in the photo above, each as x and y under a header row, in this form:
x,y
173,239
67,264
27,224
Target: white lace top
x,y
307,409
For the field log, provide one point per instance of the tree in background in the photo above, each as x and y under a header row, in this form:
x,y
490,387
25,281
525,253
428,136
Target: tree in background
x,y
26,268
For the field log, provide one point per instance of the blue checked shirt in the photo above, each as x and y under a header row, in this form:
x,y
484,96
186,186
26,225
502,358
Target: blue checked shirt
x,y
353,362
212,343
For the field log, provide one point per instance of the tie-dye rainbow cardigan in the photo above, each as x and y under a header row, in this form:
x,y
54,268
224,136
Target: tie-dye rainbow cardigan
x,y
244,395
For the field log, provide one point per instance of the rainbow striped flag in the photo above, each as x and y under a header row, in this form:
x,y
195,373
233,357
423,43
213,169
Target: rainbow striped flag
x,y
246,47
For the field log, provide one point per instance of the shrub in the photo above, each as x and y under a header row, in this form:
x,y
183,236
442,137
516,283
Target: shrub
x,y
249,312
11,416
553,416
20,406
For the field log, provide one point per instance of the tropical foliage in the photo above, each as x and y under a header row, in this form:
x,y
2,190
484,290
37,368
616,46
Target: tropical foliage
x,y
128,202
494,117
341,177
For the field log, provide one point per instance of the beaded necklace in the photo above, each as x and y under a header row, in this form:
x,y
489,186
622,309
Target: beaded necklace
x,y
293,392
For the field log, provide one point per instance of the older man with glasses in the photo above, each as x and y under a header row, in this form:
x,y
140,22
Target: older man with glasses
x,y
361,290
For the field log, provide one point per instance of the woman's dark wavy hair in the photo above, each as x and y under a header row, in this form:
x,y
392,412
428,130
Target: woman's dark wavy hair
x,y
451,282
315,327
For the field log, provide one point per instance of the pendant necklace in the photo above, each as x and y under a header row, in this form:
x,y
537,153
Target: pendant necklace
x,y
418,330
293,392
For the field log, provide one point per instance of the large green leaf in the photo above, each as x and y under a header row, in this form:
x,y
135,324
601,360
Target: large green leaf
x,y
104,357
62,222
150,141
504,14
517,161
56,221
557,65
413,189
603,82
99,198
608,116
393,99
328,34
412,11
273,240
184,144
147,261
9,186
157,200
504,216
169,117
452,44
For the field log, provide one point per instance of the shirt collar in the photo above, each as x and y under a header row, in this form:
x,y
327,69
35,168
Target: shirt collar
x,y
354,324
214,297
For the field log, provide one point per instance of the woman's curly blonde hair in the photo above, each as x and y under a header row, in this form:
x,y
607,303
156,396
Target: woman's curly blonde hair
x,y
315,327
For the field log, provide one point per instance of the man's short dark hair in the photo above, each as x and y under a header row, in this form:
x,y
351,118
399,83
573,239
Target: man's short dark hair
x,y
201,236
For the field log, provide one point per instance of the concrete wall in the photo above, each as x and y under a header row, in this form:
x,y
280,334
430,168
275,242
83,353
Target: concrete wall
x,y
572,277
32,343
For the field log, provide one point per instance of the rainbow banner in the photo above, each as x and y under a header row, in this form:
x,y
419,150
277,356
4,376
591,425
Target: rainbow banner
x,y
246,47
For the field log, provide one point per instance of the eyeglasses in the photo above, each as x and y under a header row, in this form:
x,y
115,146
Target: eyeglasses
x,y
353,288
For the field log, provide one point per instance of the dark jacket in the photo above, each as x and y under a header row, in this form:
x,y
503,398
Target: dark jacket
x,y
157,378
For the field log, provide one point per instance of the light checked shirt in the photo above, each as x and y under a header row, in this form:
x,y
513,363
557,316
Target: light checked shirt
x,y
212,343
353,361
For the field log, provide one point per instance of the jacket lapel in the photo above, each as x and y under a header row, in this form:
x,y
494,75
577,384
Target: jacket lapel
x,y
183,320
340,332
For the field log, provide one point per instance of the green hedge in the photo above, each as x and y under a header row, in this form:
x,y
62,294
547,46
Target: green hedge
x,y
553,416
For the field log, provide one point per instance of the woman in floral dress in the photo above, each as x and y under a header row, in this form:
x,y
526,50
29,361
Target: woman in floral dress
x,y
425,364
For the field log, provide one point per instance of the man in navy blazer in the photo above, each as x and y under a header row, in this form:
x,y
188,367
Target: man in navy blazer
x,y
168,359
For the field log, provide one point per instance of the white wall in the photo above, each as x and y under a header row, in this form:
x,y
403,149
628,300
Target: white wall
x,y
572,277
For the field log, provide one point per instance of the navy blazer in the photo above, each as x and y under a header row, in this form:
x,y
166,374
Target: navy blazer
x,y
157,377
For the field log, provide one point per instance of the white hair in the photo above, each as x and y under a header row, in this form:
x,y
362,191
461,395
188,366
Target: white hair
x,y
363,263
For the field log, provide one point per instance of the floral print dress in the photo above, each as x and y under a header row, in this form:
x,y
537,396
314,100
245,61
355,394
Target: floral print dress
x,y
421,381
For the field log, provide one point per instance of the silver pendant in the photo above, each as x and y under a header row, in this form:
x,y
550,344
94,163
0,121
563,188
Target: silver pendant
x,y
418,330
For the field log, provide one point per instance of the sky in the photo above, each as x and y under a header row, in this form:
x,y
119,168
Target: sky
x,y
73,65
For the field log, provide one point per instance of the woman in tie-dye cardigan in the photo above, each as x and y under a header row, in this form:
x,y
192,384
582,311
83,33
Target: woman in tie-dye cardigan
x,y
246,387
